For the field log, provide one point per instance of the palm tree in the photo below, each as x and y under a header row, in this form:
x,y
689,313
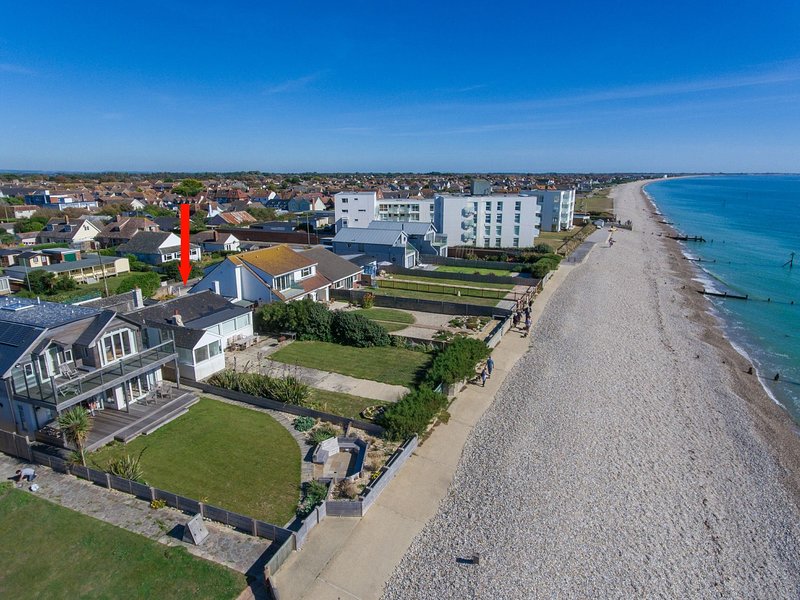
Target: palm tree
x,y
76,425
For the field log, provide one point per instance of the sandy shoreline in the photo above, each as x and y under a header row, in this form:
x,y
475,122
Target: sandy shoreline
x,y
628,454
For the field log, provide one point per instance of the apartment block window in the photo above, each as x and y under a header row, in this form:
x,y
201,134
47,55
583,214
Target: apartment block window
x,y
344,200
489,206
499,230
518,205
499,217
486,243
344,210
497,243
499,206
487,230
516,243
305,272
516,218
516,230
475,206
487,218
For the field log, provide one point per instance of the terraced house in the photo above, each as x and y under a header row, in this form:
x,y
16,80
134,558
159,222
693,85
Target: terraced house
x,y
56,356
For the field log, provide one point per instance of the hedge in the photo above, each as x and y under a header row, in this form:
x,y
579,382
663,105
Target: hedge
x,y
411,414
457,361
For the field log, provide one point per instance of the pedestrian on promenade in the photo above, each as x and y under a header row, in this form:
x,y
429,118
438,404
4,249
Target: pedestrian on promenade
x,y
515,320
484,375
490,365
527,327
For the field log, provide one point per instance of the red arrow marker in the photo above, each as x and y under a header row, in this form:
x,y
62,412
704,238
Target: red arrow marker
x,y
185,266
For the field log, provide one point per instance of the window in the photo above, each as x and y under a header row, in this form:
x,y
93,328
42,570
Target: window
x,y
344,210
489,206
243,321
201,354
486,243
516,229
475,206
499,206
344,200
497,243
516,218
117,344
518,205
228,327
305,272
499,217
488,218
487,230
516,243
28,368
499,230
283,282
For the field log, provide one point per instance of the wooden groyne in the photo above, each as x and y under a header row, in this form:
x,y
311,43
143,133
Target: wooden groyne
x,y
687,238
723,295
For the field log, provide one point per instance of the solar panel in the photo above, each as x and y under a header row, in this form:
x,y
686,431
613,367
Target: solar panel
x,y
12,334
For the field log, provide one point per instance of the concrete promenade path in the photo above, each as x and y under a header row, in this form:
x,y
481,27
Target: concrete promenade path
x,y
353,558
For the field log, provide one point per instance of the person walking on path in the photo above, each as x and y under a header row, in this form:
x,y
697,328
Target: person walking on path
x,y
490,366
484,375
527,327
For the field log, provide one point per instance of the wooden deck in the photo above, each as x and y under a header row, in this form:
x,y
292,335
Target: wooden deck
x,y
110,424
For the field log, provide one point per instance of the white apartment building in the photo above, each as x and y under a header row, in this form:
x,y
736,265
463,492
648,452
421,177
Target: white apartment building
x,y
359,209
558,208
497,221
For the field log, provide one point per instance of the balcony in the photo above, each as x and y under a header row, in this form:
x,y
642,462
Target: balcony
x,y
440,239
61,392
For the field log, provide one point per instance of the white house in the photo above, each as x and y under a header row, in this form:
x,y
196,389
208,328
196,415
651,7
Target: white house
x,y
216,241
157,247
558,208
202,326
276,274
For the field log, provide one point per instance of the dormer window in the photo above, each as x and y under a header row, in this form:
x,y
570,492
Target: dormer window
x,y
305,272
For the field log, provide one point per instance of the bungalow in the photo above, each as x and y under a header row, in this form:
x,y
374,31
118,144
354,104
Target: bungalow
x,y
306,203
216,241
235,218
56,356
122,229
340,272
385,245
201,325
157,248
5,285
85,270
276,274
63,230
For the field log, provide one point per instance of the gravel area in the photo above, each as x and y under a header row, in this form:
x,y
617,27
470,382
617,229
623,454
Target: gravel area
x,y
618,459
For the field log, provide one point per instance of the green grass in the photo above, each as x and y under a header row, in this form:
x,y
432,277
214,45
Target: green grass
x,y
554,239
225,455
598,201
456,282
387,364
391,319
436,297
64,554
338,403
473,270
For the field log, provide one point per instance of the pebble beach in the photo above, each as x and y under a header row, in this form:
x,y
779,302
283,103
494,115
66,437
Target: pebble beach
x,y
628,454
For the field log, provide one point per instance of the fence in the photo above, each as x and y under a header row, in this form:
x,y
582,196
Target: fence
x,y
431,306
470,277
293,409
15,445
438,288
497,333
470,264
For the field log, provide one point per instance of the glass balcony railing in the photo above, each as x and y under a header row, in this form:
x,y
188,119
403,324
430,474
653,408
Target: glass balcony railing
x,y
63,389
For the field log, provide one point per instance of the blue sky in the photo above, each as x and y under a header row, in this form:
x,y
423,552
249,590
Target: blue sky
x,y
401,86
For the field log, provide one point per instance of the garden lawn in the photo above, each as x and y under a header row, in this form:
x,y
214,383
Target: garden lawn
x,y
52,552
221,454
475,300
386,364
456,282
473,270
390,318
338,403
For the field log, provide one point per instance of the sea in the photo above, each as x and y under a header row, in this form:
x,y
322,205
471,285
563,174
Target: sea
x,y
751,225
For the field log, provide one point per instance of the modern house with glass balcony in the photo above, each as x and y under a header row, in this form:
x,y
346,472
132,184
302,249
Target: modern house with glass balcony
x,y
56,356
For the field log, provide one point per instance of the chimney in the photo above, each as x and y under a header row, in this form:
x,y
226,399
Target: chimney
x,y
177,319
138,301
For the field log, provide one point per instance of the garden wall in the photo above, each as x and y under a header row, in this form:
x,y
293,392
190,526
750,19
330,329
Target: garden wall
x,y
431,306
293,409
472,264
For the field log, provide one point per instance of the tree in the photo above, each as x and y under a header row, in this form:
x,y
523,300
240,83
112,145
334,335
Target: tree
x,y
262,213
40,282
542,248
189,187
157,211
64,283
76,425
173,273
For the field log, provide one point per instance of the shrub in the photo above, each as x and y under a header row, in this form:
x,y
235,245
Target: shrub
x,y
348,489
457,361
314,492
158,503
283,389
308,319
368,300
127,467
303,423
412,413
148,282
322,433
542,248
353,329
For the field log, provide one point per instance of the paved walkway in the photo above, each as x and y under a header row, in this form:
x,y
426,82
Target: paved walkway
x,y
223,545
353,558
325,380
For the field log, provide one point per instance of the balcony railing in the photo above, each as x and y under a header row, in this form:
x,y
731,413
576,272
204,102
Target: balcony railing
x,y
61,389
